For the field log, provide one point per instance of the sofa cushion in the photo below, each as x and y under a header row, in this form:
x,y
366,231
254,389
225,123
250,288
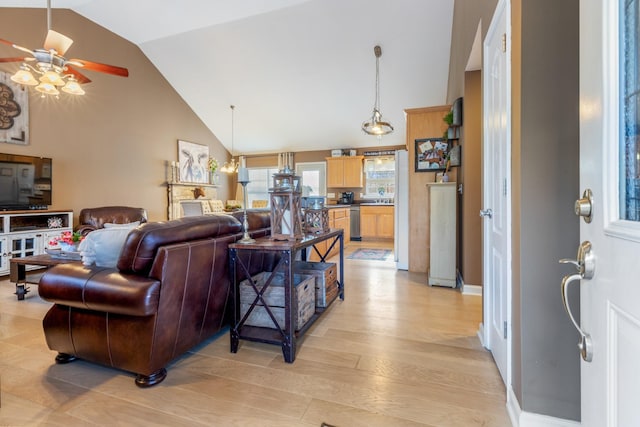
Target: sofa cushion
x,y
102,247
143,242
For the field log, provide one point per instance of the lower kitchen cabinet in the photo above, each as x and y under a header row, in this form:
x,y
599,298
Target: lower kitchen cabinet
x,y
376,222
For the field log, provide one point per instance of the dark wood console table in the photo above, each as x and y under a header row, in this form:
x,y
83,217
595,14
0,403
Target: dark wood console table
x,y
288,250
18,269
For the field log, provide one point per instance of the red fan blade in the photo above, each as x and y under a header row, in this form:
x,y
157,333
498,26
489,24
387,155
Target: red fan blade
x,y
103,68
24,49
11,59
59,42
81,78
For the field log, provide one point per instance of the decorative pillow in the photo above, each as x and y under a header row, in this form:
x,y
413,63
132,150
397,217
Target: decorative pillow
x,y
103,246
128,225
216,206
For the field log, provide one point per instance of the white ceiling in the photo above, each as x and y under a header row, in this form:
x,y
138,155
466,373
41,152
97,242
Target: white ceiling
x,y
301,73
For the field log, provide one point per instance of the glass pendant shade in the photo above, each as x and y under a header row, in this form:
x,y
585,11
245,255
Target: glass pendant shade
x,y
73,87
47,89
376,125
24,77
52,77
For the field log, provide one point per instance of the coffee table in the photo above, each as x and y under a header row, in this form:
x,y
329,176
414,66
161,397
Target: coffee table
x,y
18,269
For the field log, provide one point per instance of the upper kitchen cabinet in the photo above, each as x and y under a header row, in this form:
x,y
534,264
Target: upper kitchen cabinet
x,y
344,172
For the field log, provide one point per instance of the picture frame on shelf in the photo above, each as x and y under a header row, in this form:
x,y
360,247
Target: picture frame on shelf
x,y
193,162
431,154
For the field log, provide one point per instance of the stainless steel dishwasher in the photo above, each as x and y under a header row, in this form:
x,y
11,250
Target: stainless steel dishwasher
x,y
355,222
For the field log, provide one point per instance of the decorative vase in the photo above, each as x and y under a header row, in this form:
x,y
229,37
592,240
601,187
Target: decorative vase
x,y
68,247
214,178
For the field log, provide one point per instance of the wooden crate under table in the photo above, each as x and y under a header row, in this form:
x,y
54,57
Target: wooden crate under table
x,y
325,274
274,297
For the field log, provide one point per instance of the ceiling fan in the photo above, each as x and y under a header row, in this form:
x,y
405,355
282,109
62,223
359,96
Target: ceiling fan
x,y
52,68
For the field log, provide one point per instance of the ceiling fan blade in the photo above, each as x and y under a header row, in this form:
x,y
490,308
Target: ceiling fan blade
x,y
24,49
18,59
57,41
81,78
103,68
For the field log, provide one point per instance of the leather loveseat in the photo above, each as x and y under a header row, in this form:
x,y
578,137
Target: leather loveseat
x,y
168,293
91,219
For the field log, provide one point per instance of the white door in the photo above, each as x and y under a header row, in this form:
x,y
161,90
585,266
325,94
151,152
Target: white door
x,y
497,189
610,167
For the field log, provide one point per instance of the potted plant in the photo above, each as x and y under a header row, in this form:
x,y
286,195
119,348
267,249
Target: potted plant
x,y
448,119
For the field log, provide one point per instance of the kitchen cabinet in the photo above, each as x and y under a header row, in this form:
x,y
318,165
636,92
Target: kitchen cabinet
x,y
344,172
376,222
339,217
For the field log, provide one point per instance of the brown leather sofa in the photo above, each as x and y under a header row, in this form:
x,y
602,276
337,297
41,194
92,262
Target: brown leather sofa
x,y
94,218
168,293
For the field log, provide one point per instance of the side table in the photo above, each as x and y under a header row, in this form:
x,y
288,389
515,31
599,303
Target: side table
x,y
285,337
18,269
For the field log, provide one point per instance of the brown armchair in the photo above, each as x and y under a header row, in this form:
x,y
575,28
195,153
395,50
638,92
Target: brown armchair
x,y
91,219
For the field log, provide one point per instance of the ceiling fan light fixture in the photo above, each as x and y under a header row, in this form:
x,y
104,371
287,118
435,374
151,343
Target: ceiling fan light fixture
x,y
376,125
53,69
24,77
73,87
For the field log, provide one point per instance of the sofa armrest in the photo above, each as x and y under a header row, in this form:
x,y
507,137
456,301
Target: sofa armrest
x,y
101,289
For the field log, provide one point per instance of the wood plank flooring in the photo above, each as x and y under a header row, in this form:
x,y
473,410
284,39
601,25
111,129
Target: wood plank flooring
x,y
395,352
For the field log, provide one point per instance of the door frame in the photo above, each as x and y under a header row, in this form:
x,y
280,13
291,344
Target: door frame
x,y
503,7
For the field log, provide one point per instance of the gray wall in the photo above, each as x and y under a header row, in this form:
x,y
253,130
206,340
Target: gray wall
x,y
545,183
549,169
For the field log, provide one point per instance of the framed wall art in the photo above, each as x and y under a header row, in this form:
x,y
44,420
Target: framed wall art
x,y
193,162
431,154
14,111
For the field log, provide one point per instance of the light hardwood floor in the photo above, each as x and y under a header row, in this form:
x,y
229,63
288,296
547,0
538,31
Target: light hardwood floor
x,y
395,352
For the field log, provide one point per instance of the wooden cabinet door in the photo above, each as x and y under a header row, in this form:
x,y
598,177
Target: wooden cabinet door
x,y
368,222
385,223
353,171
335,172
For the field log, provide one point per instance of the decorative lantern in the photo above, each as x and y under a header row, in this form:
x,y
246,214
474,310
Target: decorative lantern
x,y
286,212
316,220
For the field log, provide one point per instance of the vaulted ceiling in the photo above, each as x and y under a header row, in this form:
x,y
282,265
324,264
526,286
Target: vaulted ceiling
x,y
301,73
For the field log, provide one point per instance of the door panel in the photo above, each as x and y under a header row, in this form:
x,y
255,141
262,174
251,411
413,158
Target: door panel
x,y
610,301
496,189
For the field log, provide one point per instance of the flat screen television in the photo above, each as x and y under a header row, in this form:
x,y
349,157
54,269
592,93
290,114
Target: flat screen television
x,y
25,182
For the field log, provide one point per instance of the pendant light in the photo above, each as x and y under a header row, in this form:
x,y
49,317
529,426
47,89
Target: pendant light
x,y
232,166
375,125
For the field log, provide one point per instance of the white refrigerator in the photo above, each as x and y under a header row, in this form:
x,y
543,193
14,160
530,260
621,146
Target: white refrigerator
x,y
401,214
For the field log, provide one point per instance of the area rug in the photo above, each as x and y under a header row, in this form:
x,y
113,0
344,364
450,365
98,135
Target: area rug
x,y
372,254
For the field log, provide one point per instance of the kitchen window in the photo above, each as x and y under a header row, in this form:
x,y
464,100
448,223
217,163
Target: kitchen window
x,y
380,177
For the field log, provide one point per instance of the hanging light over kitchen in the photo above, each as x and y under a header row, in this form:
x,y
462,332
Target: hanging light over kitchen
x,y
376,125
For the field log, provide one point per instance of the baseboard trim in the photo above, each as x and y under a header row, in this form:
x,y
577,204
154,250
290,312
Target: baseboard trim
x,y
481,334
472,290
521,418
465,288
